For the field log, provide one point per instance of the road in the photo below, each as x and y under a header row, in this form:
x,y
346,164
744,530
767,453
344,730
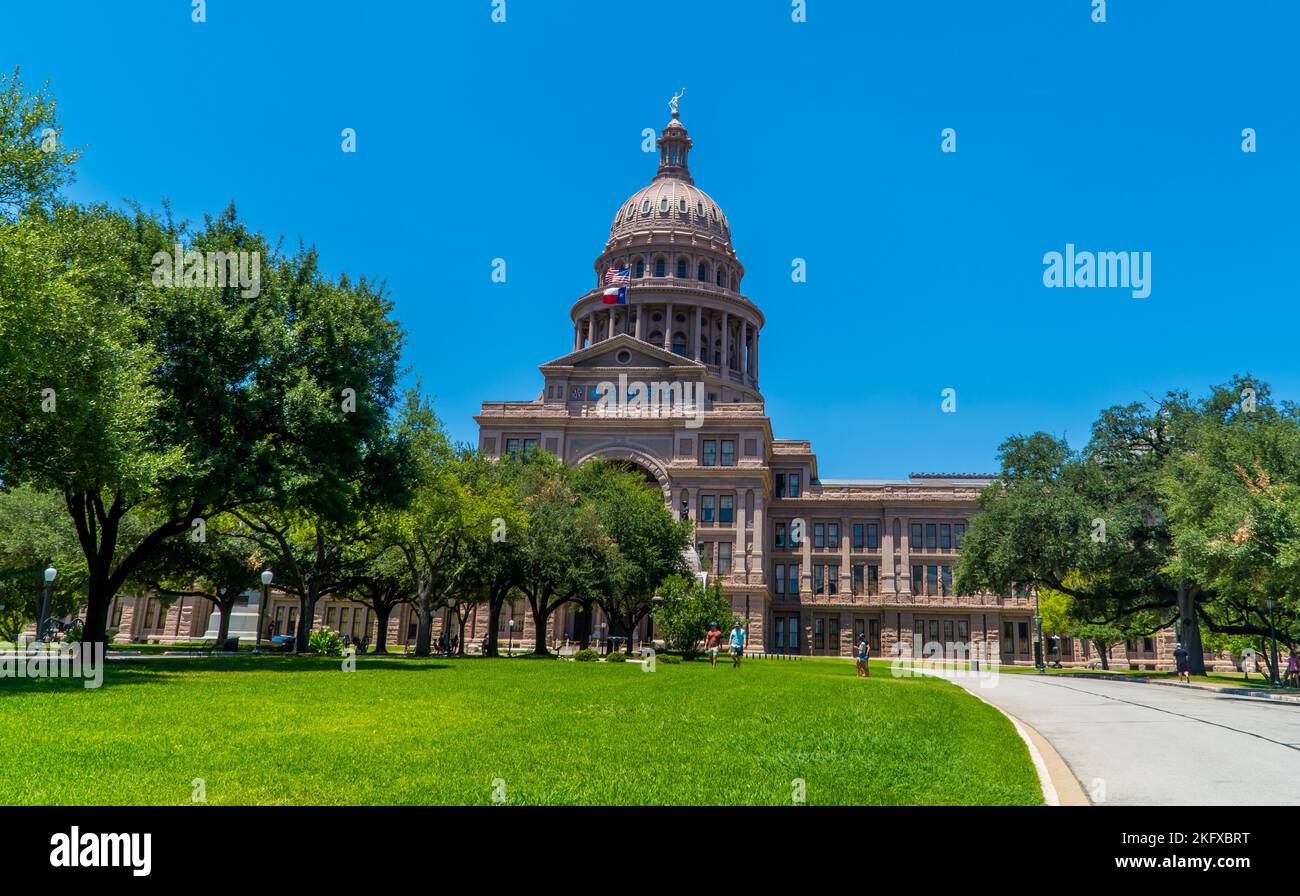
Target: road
x,y
1133,744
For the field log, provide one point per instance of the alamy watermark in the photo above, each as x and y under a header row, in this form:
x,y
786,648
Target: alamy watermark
x,y
1100,270
38,660
181,269
656,399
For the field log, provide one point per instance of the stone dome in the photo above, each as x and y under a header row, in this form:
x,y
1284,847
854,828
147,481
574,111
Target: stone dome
x,y
671,204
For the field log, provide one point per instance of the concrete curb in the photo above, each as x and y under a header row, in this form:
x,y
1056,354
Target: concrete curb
x,y
1252,693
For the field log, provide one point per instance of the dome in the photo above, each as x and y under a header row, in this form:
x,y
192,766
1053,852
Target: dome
x,y
671,204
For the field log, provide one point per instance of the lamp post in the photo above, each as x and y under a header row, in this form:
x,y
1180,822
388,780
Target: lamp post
x,y
1038,640
1272,635
510,651
50,573
261,610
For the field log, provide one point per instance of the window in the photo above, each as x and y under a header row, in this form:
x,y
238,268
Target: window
x,y
779,576
858,578
659,267
706,509
793,480
728,452
833,535
681,204
709,449
958,530
780,535
512,446
819,536
796,535
705,553
726,509
819,578
932,580
681,269
873,579
331,617
724,558
947,579
947,631
963,630
916,538
530,444
832,578
780,485
645,207
701,274
640,267
873,536
794,578
931,536
945,536
663,203
918,579
819,633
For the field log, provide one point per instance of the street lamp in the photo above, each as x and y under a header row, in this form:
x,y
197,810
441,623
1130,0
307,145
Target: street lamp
x,y
1272,634
261,610
50,573
510,651
1038,641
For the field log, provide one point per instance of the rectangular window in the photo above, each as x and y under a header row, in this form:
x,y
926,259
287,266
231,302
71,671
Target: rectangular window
x,y
958,530
512,446
530,444
918,579
794,485
946,572
780,485
945,536
778,636
706,509
728,452
331,617
873,579
873,536
780,535
833,634
931,536
859,536
724,558
819,633
947,631
819,579
794,578
833,535
705,553
858,577
934,631
709,453
916,538
963,630
779,575
726,509
796,531
819,536
832,579
932,580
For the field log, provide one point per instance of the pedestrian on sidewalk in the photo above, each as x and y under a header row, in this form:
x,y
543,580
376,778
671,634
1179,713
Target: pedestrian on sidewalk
x,y
1180,659
1292,671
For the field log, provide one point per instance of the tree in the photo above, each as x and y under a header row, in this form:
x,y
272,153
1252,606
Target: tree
x,y
687,610
648,541
33,162
139,401
383,585
34,535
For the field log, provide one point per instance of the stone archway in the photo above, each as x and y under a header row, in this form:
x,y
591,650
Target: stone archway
x,y
645,463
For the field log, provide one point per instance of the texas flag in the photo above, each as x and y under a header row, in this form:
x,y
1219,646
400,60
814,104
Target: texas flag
x,y
618,279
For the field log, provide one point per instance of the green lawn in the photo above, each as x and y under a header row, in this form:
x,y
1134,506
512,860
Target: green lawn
x,y
299,730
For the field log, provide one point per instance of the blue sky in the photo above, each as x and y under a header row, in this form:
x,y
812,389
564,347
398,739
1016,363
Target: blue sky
x,y
820,140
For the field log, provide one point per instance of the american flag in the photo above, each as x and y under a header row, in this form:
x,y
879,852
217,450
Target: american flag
x,y
618,276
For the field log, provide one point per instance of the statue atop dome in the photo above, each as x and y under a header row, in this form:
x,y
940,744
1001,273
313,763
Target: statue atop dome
x,y
672,103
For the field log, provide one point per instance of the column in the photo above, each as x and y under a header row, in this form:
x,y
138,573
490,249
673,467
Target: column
x,y
640,320
577,334
699,330
611,323
726,342
846,571
805,560
905,537
668,328
759,537
887,583
756,331
741,562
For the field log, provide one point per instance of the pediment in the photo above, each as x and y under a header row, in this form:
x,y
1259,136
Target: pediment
x,y
623,351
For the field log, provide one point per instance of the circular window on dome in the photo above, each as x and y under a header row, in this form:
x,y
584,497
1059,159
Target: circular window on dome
x,y
656,317
623,357
681,318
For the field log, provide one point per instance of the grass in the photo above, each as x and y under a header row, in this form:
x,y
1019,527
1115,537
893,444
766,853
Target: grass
x,y
283,730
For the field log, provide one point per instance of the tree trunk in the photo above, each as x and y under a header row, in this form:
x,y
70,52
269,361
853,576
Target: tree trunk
x,y
494,624
1103,651
223,624
424,631
1189,630
306,616
460,635
539,626
98,600
382,612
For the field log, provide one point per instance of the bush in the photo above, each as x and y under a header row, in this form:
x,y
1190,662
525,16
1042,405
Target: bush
x,y
670,658
616,656
325,641
586,656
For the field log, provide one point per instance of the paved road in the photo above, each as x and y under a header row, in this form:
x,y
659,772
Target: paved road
x,y
1159,745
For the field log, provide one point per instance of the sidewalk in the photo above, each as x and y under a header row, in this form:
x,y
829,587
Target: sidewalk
x,y
1274,695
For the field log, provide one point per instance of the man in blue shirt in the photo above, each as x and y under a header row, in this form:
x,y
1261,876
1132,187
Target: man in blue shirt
x,y
737,644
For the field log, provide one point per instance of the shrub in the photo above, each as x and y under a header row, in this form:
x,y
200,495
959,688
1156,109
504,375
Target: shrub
x,y
616,656
669,658
586,656
325,641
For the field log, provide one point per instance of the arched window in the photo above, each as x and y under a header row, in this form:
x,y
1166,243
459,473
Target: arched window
x,y
640,267
699,209
645,207
659,267
657,337
702,274
718,279
663,205
679,343
681,269
681,204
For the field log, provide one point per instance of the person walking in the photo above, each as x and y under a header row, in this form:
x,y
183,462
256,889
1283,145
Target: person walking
x,y
1292,671
713,642
737,644
864,657
1180,660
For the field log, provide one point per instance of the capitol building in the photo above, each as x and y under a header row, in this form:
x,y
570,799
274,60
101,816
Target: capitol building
x,y
810,563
